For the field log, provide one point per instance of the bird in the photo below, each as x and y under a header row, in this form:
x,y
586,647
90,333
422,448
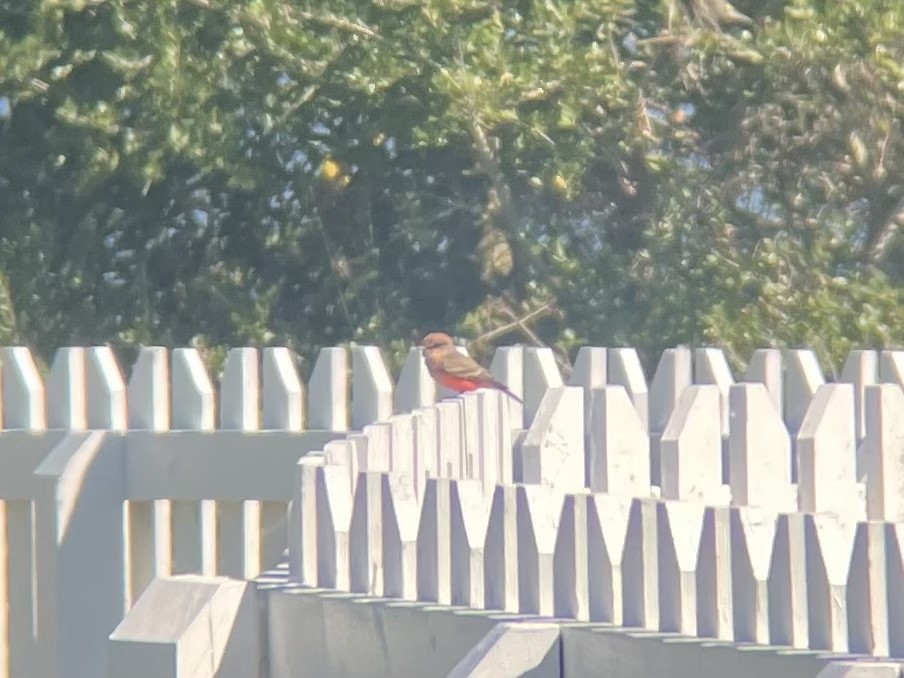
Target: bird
x,y
455,371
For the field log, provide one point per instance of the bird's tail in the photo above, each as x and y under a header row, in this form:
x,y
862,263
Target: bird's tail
x,y
505,389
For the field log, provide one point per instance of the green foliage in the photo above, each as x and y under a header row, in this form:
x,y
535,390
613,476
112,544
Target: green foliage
x,y
8,333
641,172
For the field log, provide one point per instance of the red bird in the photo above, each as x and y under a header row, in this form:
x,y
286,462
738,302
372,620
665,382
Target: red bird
x,y
455,371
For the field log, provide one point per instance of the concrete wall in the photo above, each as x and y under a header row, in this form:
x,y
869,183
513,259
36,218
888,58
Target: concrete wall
x,y
314,634
324,633
623,653
204,627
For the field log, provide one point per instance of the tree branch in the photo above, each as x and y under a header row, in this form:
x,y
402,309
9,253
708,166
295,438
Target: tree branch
x,y
517,323
884,236
520,324
339,23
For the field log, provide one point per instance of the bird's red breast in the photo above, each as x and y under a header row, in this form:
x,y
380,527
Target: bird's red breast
x,y
460,384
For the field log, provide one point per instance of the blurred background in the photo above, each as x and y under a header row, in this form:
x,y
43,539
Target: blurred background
x,y
213,173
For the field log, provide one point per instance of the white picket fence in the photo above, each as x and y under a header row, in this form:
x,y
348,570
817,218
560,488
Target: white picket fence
x,y
551,509
769,511
105,485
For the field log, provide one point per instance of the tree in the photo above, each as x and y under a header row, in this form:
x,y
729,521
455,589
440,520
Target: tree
x,y
628,172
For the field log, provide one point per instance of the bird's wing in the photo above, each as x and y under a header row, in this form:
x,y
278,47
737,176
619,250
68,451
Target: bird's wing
x,y
458,365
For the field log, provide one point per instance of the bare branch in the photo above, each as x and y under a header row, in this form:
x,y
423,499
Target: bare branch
x,y
520,324
885,236
517,323
339,23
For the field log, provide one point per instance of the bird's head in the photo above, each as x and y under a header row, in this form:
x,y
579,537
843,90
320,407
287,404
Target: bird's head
x,y
436,341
